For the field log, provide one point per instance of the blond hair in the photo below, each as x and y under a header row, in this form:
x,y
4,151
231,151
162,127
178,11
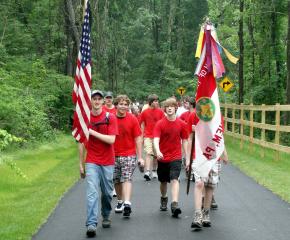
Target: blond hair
x,y
170,102
120,98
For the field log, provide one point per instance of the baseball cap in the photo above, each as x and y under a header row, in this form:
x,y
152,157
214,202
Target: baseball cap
x,y
109,94
95,92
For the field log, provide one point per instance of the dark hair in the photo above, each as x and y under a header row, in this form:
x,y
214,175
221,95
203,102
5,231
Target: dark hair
x,y
191,100
151,98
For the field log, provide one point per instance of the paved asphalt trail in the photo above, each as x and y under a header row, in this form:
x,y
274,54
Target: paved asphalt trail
x,y
246,211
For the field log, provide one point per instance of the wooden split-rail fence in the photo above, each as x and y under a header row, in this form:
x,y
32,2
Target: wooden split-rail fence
x,y
240,123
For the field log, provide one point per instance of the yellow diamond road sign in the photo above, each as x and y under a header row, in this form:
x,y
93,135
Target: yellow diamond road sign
x,y
226,84
181,90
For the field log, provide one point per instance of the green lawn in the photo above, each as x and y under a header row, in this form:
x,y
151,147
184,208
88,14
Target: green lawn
x,y
269,171
25,204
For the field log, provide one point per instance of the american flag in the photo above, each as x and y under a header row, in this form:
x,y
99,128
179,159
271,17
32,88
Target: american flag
x,y
82,87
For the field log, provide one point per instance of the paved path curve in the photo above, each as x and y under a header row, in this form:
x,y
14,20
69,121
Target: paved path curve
x,y
246,211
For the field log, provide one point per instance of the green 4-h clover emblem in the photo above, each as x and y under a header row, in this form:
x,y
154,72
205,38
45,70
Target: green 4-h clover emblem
x,y
205,109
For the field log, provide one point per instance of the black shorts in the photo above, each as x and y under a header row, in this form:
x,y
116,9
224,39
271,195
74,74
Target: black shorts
x,y
169,171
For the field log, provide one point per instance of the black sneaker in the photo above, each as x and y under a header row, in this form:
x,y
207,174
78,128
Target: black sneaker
x,y
213,205
175,210
147,176
120,207
91,231
163,203
127,210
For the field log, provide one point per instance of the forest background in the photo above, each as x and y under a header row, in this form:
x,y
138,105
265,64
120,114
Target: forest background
x,y
138,47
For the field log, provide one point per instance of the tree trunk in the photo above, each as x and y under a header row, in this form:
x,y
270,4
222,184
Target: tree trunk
x,y
241,60
70,13
251,34
288,63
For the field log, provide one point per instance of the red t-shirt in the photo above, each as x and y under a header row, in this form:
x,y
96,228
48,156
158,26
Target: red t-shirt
x,y
192,120
110,110
129,129
170,133
99,152
184,116
150,117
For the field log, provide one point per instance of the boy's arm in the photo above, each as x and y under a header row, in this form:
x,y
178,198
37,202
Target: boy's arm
x,y
159,154
109,139
138,141
224,156
82,152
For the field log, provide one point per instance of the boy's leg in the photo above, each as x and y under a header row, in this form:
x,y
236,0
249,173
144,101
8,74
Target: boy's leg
x,y
148,148
163,179
198,190
128,168
207,202
106,185
118,186
175,169
92,185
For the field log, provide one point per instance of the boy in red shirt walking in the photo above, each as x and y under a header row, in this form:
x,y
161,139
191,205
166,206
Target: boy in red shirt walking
x,y
169,134
128,142
149,118
97,163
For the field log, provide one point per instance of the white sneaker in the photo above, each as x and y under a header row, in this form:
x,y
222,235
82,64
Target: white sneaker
x,y
120,207
154,174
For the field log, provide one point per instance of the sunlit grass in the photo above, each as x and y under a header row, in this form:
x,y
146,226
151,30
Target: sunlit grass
x,y
268,170
25,204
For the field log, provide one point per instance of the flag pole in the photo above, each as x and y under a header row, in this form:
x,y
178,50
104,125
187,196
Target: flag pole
x,y
190,163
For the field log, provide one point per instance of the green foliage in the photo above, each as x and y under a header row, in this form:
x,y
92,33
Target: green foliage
x,y
5,140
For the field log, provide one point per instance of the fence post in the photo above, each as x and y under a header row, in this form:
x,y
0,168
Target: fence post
x,y
263,121
277,132
233,119
251,126
226,121
242,126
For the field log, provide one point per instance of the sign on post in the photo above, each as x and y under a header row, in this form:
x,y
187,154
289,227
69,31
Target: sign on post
x,y
181,91
226,84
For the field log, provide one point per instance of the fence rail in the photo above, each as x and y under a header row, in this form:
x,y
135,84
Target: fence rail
x,y
242,116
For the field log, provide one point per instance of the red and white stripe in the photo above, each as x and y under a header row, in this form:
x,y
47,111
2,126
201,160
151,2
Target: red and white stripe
x,y
82,99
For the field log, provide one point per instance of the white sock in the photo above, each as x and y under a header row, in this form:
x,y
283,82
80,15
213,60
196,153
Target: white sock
x,y
127,202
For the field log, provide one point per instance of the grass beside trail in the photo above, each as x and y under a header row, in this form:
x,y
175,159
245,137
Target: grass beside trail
x,y
25,204
268,171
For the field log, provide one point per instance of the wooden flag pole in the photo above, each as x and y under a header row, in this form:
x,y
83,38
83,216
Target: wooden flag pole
x,y
190,163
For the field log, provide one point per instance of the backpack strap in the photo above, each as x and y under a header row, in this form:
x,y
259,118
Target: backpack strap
x,y
106,120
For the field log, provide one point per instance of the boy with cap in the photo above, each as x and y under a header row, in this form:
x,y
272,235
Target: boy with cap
x,y
109,106
98,159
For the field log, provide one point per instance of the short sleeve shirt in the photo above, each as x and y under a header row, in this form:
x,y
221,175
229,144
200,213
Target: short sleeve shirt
x,y
99,152
129,129
170,133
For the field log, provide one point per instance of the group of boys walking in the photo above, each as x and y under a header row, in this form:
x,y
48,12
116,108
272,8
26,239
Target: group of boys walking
x,y
114,149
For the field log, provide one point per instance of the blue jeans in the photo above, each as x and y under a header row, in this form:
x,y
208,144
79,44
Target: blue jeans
x,y
98,177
